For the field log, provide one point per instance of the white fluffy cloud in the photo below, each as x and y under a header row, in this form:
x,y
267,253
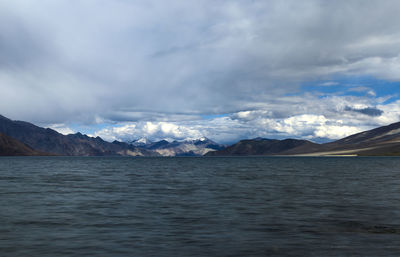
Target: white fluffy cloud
x,y
310,117
150,130
227,130
62,128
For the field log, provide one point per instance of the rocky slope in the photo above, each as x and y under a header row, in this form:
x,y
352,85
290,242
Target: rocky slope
x,y
11,147
50,141
379,141
262,146
382,141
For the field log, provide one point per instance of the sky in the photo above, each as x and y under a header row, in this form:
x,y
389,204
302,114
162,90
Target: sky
x,y
184,69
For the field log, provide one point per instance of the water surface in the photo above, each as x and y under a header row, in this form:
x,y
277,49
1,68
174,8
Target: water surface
x,y
76,206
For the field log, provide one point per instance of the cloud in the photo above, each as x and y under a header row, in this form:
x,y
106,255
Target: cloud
x,y
173,62
368,91
227,130
329,83
151,130
306,116
391,113
367,111
62,128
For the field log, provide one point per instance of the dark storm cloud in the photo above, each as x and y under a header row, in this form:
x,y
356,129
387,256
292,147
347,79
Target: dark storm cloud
x,y
370,111
19,47
88,61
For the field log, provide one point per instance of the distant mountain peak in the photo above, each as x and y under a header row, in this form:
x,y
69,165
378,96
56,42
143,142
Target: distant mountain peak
x,y
191,147
141,142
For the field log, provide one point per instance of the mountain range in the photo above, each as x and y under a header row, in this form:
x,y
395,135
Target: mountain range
x,y
50,141
379,141
382,141
264,146
23,138
197,147
21,134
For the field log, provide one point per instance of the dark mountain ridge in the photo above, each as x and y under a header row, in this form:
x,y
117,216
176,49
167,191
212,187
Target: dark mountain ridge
x,y
24,138
50,141
12,147
367,138
376,142
262,146
383,140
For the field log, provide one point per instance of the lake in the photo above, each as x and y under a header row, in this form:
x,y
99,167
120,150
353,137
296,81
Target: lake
x,y
242,206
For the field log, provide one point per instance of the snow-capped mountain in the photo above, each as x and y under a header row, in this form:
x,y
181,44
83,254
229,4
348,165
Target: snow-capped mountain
x,y
141,142
196,147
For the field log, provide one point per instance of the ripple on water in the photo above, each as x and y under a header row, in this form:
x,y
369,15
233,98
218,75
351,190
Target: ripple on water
x,y
199,206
